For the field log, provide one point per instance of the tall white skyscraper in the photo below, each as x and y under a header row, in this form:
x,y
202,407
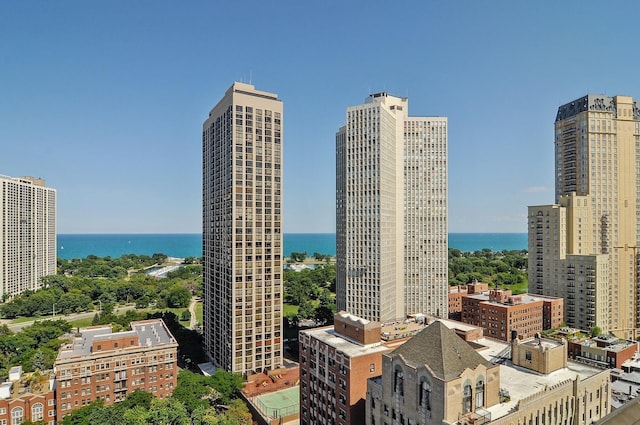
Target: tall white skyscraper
x,y
391,211
27,234
242,239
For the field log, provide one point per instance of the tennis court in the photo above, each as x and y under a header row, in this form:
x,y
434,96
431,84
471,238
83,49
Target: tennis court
x,y
280,403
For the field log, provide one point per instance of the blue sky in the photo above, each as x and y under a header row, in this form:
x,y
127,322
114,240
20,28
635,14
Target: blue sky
x,y
105,100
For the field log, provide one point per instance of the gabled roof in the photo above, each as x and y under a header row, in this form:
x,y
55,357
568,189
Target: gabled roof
x,y
441,350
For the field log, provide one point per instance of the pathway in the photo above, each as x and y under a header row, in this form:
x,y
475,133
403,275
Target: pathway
x,y
192,309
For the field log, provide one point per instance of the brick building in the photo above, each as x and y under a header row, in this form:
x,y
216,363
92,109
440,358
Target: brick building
x,y
456,293
499,313
605,351
336,361
28,397
100,365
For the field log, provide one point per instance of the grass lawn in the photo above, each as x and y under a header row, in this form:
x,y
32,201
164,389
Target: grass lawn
x,y
199,313
290,309
32,319
177,311
81,323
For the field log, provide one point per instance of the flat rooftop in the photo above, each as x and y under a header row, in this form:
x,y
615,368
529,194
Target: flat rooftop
x,y
341,343
521,382
150,333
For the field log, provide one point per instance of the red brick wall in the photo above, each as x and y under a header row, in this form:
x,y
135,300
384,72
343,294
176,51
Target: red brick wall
x,y
27,402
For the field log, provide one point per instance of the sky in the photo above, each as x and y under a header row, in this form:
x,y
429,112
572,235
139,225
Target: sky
x,y
106,100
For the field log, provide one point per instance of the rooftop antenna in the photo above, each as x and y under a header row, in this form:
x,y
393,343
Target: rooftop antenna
x,y
250,76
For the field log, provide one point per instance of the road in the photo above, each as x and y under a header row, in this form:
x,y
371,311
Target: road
x,y
69,317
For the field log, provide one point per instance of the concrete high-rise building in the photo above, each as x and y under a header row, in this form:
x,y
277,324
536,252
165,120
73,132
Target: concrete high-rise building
x,y
391,211
584,247
242,239
27,234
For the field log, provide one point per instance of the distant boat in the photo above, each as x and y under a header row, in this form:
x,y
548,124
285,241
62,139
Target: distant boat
x,y
61,247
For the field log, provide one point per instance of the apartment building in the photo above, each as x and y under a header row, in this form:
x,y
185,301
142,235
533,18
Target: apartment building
x,y
97,364
583,247
336,361
242,238
391,211
457,293
438,378
500,313
27,234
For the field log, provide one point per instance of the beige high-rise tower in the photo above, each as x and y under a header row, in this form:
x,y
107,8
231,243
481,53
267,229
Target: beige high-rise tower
x,y
584,248
391,211
27,234
242,239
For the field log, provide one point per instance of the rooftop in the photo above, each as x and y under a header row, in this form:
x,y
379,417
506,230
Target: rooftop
x,y
520,382
328,336
28,384
149,332
437,346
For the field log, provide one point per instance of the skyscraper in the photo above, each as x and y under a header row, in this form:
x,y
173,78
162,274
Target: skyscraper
x,y
27,234
391,211
242,239
584,247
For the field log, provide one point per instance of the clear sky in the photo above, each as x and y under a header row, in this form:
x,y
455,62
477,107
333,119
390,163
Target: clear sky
x,y
106,100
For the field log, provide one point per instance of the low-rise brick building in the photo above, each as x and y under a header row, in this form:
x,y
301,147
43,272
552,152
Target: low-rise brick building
x,y
100,365
457,292
27,397
500,313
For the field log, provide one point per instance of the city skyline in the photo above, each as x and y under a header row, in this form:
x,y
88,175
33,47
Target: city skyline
x,y
102,104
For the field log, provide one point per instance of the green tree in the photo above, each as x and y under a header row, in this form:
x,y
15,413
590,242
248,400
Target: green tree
x,y
595,331
178,297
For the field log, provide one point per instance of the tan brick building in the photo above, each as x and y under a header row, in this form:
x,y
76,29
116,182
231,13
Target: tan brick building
x,y
583,247
499,313
437,378
100,365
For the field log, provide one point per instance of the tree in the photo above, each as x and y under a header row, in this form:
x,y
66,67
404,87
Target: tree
x,y
227,384
298,257
595,331
167,412
178,297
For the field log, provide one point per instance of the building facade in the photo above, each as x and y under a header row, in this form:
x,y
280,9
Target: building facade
x,y
28,397
500,313
99,365
242,222
391,211
336,362
584,247
27,234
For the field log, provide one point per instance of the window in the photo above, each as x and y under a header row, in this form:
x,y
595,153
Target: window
x,y
398,381
37,412
17,415
372,367
425,394
480,393
466,398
